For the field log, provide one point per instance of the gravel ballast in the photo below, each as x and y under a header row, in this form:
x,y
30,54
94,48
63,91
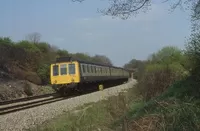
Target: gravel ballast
x,y
29,118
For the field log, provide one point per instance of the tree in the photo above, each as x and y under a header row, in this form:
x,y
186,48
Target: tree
x,y
193,51
133,64
168,55
34,37
126,8
62,53
102,59
81,56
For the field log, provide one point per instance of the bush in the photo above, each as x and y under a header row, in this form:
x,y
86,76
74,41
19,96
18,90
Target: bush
x,y
163,69
44,73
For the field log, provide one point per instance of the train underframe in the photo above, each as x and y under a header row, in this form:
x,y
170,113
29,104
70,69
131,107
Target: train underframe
x,y
86,87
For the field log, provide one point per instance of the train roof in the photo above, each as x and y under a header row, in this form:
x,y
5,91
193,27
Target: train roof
x,y
68,59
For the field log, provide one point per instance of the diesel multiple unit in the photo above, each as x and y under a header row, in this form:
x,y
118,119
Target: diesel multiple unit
x,y
67,71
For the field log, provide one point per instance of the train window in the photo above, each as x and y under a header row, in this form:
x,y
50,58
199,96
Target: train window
x,y
71,68
91,69
63,69
55,70
88,68
83,68
94,69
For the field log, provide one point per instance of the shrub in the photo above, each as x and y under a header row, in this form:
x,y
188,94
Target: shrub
x,y
44,73
158,77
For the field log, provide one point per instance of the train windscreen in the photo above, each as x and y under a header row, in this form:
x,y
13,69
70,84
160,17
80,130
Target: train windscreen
x,y
55,70
71,68
63,69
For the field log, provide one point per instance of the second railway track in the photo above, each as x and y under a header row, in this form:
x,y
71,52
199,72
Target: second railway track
x,y
30,102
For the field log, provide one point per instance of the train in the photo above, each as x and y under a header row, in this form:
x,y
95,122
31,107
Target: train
x,y
68,73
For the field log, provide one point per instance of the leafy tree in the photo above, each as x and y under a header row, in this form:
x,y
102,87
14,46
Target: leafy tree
x,y
5,41
161,70
133,64
62,53
102,59
81,56
28,46
137,66
168,55
43,47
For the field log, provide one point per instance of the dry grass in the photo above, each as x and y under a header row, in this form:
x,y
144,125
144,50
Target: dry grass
x,y
146,123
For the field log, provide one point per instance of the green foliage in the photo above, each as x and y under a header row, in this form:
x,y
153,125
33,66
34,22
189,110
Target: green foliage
x,y
31,59
43,47
6,50
26,45
5,41
44,73
102,59
168,55
163,68
62,53
137,66
82,56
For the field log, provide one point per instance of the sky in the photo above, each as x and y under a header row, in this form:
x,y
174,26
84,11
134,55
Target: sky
x,y
78,27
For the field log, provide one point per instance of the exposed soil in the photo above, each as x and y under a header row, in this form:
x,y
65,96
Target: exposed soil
x,y
11,88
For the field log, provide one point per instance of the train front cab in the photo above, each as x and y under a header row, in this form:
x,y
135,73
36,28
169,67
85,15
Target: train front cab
x,y
64,74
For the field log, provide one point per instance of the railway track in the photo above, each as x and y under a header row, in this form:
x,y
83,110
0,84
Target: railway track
x,y
29,102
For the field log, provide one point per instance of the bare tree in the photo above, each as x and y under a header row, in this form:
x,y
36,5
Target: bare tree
x,y
126,8
34,37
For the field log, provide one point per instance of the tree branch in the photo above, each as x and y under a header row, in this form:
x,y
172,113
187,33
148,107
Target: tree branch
x,y
126,8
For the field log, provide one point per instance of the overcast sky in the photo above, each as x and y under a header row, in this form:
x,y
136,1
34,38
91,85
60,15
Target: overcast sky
x,y
79,28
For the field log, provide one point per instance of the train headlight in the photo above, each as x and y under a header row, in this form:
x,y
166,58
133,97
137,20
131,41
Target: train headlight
x,y
55,81
72,80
